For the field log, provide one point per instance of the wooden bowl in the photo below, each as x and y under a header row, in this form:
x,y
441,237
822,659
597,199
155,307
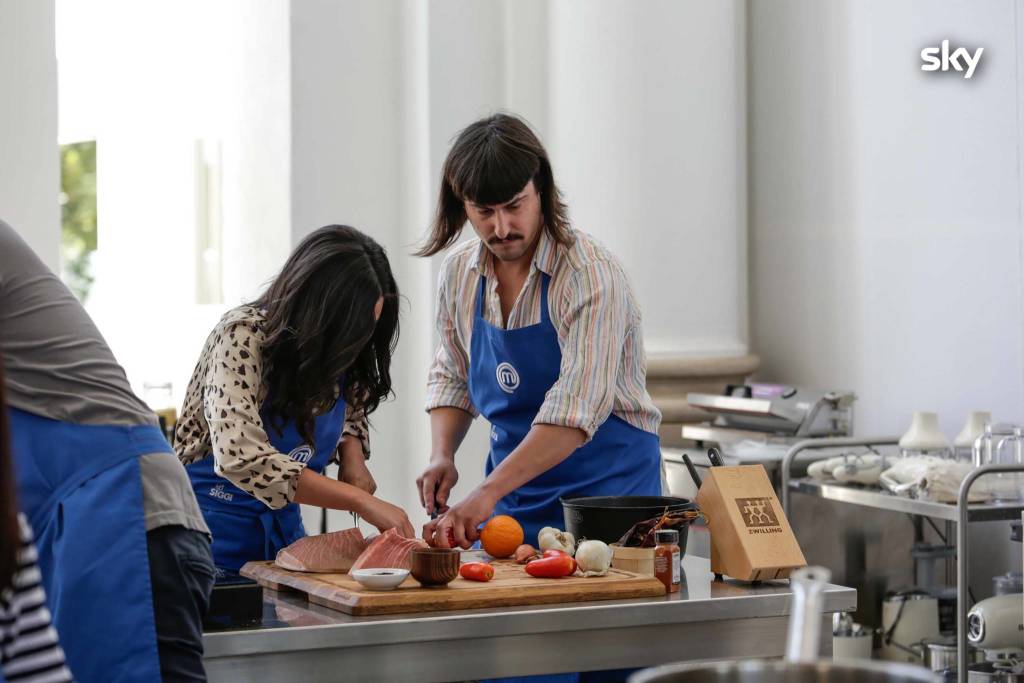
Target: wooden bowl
x,y
435,567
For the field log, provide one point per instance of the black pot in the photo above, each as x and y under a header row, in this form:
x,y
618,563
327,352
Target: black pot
x,y
607,518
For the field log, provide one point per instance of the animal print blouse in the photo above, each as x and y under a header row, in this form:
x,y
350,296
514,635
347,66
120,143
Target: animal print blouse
x,y
221,414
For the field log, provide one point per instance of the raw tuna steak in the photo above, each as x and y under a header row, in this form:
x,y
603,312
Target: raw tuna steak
x,y
390,549
334,552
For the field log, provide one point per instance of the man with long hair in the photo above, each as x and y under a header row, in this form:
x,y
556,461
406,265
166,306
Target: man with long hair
x,y
539,332
124,553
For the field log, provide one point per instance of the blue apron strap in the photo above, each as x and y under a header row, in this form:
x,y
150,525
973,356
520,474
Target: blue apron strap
x,y
545,314
481,292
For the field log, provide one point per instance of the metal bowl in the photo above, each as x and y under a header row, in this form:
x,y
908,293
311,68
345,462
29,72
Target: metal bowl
x,y
759,671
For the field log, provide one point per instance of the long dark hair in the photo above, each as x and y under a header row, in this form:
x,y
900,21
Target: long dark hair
x,y
10,532
319,326
493,159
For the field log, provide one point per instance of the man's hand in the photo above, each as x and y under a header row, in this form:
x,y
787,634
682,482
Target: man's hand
x,y
462,520
436,483
353,466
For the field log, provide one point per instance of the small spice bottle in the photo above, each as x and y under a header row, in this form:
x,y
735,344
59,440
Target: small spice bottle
x,y
666,558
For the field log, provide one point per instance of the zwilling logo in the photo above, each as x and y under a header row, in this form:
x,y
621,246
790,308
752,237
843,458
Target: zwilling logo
x,y
940,59
759,516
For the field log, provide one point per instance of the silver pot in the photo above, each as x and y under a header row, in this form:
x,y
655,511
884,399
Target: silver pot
x,y
802,643
939,654
992,672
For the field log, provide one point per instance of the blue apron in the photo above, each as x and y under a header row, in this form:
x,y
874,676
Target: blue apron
x,y
510,373
81,489
243,527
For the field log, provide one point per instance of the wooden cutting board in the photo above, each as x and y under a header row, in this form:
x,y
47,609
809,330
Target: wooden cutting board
x,y
510,586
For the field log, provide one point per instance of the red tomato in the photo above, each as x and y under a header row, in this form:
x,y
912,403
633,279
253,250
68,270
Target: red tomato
x,y
554,567
553,552
476,571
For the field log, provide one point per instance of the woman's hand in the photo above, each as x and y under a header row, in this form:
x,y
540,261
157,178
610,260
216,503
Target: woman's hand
x,y
353,466
384,516
462,519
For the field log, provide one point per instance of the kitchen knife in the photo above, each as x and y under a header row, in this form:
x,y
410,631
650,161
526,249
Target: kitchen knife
x,y
715,457
692,470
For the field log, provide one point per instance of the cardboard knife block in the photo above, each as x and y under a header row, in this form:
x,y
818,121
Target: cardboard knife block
x,y
751,539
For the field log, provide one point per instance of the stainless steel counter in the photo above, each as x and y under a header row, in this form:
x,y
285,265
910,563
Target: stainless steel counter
x,y
298,641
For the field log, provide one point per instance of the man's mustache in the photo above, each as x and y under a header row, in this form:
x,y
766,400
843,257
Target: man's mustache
x,y
510,238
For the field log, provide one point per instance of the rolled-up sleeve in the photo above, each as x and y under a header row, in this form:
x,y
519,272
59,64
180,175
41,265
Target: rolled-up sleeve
x,y
357,427
447,382
242,450
593,333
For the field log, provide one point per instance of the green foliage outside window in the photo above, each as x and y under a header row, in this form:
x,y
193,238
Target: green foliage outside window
x,y
78,215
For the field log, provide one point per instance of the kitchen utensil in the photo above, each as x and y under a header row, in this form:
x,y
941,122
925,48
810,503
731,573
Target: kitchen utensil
x,y
924,435
435,567
908,617
801,663
996,625
385,579
715,457
607,518
692,470
766,413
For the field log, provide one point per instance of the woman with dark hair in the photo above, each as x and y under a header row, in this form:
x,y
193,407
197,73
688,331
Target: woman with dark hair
x,y
29,650
283,388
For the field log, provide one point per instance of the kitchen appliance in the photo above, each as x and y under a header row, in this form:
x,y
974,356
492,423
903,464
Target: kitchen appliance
x,y
607,518
801,663
235,601
996,625
924,436
908,618
771,412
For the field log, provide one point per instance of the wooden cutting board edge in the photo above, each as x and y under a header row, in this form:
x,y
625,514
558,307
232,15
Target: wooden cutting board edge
x,y
546,592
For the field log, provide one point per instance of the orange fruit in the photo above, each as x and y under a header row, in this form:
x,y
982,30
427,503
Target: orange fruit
x,y
501,536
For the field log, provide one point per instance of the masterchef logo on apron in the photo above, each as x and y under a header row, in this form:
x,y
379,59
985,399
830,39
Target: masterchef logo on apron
x,y
508,378
302,454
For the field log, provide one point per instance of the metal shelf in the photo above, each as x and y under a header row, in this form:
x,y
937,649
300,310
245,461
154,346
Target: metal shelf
x,y
883,500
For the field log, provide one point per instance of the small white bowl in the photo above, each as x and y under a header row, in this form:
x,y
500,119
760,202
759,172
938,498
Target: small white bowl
x,y
381,579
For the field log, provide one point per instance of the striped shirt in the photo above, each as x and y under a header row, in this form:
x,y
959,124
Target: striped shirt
x,y
592,306
29,651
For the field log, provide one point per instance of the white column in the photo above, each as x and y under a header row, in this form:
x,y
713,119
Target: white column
x,y
29,156
648,139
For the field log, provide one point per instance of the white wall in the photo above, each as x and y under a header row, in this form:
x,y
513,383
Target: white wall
x,y
885,208
658,155
29,158
126,82
648,133
886,236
